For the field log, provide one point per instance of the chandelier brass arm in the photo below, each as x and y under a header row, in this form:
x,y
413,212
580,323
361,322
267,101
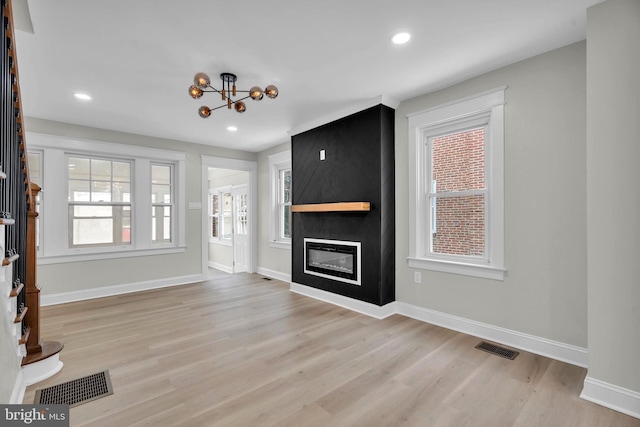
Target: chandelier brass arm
x,y
202,84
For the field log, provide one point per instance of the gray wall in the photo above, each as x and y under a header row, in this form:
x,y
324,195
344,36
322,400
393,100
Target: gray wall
x,y
274,259
613,152
74,276
545,288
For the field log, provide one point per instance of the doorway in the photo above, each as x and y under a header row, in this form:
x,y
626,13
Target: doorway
x,y
228,220
229,241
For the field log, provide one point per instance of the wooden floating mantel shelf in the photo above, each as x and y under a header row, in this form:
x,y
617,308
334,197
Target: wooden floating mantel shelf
x,y
333,207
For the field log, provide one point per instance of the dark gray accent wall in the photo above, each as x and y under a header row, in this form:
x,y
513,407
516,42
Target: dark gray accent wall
x,y
358,167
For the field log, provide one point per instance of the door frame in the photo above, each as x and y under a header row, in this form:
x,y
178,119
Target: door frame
x,y
234,164
235,191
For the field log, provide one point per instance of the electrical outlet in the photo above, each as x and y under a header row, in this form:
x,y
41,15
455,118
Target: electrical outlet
x,y
417,277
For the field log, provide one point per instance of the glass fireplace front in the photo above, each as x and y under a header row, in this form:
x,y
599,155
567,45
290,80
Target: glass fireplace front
x,y
333,259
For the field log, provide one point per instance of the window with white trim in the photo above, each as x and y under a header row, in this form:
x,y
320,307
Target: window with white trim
x,y
220,218
281,186
457,226
34,159
162,201
101,201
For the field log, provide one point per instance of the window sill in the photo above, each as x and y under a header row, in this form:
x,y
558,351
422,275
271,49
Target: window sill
x,y
118,253
280,244
475,270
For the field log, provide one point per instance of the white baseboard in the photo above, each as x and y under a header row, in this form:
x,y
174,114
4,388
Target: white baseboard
x,y
105,291
274,274
220,267
19,388
611,396
379,312
531,343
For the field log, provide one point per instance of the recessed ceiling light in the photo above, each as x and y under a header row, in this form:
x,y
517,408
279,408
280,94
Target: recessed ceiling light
x,y
401,38
232,128
82,96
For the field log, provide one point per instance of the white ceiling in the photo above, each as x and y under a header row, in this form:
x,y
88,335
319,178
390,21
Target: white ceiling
x,y
137,58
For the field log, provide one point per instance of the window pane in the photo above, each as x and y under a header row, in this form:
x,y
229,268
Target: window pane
x,y
79,191
226,203
161,224
286,185
126,224
100,191
34,167
167,229
122,192
214,227
287,220
226,227
241,214
161,193
161,174
100,170
91,231
460,224
214,204
458,161
122,171
100,224
78,168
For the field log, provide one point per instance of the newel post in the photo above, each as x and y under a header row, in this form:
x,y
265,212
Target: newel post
x,y
34,344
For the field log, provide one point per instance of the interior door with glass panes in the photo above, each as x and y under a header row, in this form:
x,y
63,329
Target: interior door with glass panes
x,y
240,229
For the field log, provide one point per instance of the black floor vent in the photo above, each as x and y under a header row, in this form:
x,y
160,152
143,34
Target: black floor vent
x,y
497,350
266,278
76,392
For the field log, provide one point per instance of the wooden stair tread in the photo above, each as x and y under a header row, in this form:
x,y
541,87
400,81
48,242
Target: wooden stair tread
x,y
7,221
49,348
16,291
25,337
9,260
20,317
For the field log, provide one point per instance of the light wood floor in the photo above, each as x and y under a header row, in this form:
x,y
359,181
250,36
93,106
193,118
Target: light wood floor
x,y
244,351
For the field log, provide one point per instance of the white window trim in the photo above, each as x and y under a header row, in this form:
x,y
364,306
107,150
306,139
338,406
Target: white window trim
x,y
220,191
491,104
40,154
277,163
55,224
172,205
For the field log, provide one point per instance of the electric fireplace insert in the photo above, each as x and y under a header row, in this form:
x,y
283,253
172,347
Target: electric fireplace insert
x,y
333,259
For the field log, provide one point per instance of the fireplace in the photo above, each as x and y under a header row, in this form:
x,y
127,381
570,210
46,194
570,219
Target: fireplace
x,y
333,259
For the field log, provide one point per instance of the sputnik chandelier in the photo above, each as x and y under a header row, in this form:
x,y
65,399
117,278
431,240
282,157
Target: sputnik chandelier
x,y
202,84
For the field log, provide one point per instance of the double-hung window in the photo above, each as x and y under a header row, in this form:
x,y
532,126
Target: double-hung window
x,y
99,201
107,200
456,187
220,209
284,204
281,186
34,159
162,201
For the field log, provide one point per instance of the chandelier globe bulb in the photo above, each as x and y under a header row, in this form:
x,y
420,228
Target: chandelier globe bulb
x,y
201,80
